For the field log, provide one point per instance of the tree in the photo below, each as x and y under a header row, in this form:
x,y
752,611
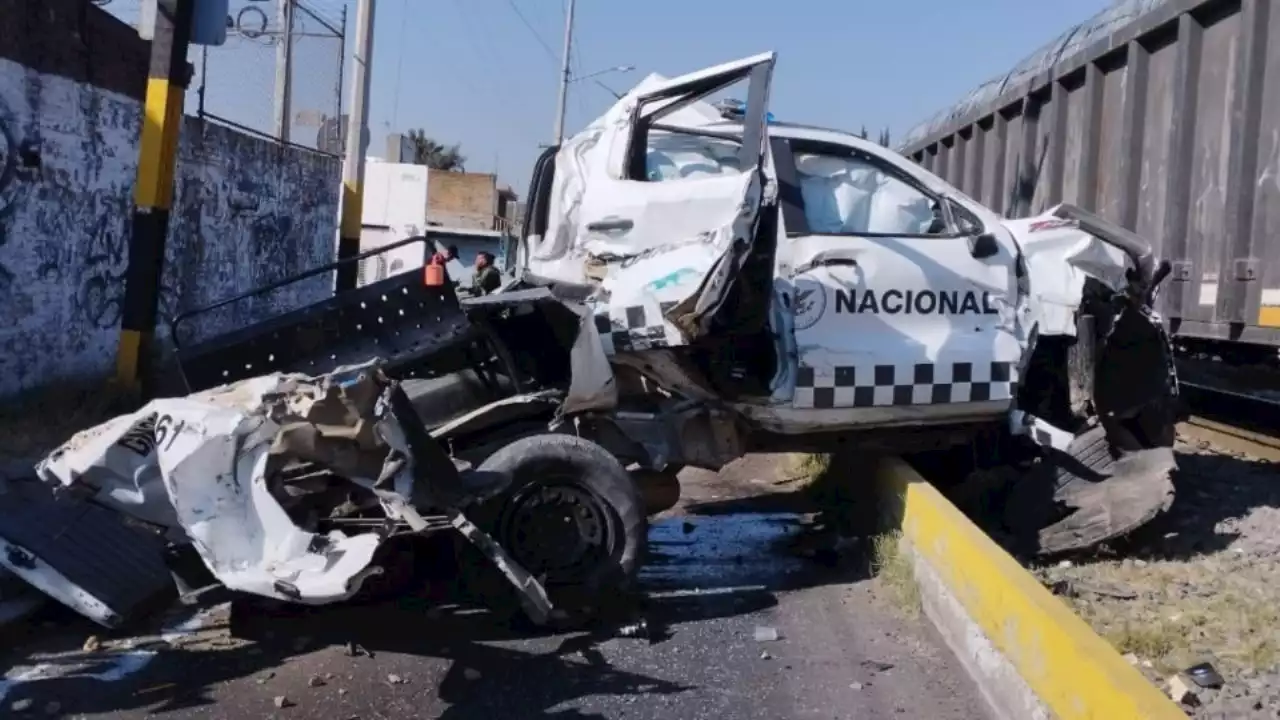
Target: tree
x,y
434,155
884,137
863,133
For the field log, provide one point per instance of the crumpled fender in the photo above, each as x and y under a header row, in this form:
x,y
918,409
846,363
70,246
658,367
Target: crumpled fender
x,y
1058,256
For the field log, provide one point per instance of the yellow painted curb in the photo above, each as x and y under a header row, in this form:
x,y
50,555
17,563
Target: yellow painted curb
x,y
1072,671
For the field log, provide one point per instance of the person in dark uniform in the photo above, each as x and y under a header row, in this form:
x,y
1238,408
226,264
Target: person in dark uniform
x,y
487,277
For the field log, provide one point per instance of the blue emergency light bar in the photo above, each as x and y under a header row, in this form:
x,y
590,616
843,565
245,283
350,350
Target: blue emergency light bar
x,y
734,109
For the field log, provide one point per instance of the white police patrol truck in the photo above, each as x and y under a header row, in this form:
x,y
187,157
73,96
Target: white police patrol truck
x,y
800,288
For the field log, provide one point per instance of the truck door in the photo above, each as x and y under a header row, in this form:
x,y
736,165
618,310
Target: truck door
x,y
904,300
670,240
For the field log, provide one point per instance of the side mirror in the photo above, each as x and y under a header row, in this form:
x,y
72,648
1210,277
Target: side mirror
x,y
983,246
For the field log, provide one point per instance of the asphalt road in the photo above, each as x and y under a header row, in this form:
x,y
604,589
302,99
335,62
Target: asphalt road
x,y
722,582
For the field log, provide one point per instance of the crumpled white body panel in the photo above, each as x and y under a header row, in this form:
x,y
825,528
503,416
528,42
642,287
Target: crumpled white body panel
x,y
204,478
680,231
1059,257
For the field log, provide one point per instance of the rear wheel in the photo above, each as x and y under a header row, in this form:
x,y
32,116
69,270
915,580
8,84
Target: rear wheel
x,y
572,517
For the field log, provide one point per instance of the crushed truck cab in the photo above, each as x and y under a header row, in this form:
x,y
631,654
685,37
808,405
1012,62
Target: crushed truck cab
x,y
814,286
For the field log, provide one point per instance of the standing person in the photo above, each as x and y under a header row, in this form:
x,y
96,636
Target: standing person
x,y
487,278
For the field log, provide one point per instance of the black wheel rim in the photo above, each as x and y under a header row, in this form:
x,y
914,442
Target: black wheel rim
x,y
558,530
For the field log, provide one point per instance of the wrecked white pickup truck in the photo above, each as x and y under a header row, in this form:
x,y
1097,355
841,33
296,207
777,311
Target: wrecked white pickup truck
x,y
692,284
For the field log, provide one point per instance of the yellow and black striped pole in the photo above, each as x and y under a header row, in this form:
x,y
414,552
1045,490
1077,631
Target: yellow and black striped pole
x,y
167,80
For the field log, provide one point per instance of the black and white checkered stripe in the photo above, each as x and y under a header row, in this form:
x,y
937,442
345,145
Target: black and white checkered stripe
x,y
911,384
635,328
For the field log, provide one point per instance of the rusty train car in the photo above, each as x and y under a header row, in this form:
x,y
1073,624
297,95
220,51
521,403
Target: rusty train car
x,y
1161,115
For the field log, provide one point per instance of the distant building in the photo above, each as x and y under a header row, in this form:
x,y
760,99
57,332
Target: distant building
x,y
469,200
402,199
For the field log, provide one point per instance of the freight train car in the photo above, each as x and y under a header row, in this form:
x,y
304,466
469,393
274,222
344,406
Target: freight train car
x,y
1163,116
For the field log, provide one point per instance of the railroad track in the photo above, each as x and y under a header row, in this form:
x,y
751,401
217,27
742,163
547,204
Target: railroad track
x,y
1232,420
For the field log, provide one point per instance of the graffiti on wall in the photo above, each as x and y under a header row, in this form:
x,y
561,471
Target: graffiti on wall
x,y
246,213
15,156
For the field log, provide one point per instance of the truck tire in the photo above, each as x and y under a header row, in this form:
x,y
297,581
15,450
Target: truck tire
x,y
572,516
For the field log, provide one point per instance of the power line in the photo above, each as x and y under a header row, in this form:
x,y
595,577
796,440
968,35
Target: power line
x,y
533,31
486,56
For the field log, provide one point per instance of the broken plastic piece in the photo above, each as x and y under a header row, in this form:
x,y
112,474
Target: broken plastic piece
x,y
1180,691
638,629
766,634
1205,675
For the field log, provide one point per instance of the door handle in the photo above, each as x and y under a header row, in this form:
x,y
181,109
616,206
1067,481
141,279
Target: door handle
x,y
825,261
611,225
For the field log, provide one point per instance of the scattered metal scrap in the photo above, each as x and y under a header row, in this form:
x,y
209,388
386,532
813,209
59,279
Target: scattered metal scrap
x,y
81,554
285,484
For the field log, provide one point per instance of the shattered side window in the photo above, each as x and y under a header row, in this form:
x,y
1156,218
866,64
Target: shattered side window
x,y
852,196
679,156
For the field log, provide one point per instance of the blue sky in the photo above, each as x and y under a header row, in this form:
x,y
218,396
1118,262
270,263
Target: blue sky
x,y
484,73
473,72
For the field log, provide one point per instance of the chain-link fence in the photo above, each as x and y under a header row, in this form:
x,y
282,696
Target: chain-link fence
x,y
278,75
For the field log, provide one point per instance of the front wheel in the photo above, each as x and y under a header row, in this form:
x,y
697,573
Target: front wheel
x,y
571,516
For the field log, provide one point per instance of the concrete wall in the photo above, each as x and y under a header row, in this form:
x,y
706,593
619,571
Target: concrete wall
x,y
246,211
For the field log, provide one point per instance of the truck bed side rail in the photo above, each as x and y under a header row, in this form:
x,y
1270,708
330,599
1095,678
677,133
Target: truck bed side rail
x,y
399,319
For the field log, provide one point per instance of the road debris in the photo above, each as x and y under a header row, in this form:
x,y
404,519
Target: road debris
x,y
876,666
315,681
394,679
337,464
93,643
1180,691
45,537
282,701
766,634
182,464
1197,585
638,629
1205,676
355,649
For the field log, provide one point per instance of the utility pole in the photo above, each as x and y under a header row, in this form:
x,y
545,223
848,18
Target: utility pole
x,y
284,68
169,29
357,131
564,73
